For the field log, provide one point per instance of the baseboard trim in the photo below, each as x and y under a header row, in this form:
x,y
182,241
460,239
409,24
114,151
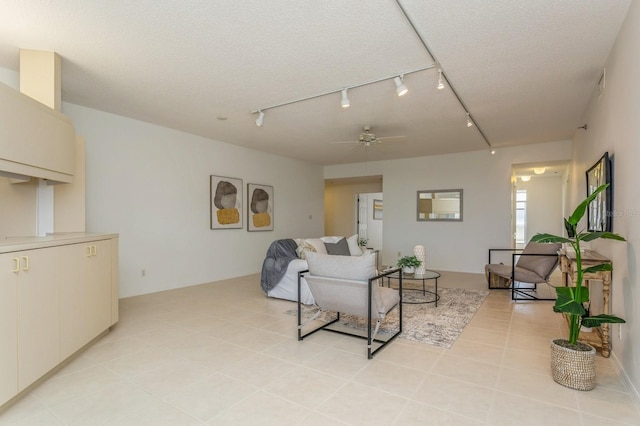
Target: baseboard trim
x,y
635,395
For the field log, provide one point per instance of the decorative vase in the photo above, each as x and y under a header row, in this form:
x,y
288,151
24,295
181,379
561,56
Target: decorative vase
x,y
420,253
573,368
409,270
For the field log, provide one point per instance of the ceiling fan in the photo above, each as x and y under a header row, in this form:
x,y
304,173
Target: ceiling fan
x,y
368,138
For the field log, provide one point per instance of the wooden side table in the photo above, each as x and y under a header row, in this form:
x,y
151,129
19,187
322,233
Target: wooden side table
x,y
599,337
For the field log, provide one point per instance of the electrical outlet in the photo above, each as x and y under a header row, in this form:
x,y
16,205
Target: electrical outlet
x,y
143,273
399,254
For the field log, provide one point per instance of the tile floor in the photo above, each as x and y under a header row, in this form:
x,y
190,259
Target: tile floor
x,y
223,354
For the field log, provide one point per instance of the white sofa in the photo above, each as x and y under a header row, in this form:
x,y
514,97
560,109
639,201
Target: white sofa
x,y
287,287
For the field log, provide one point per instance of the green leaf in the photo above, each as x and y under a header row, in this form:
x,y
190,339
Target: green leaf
x,y
598,320
571,229
582,207
549,238
570,302
606,235
598,268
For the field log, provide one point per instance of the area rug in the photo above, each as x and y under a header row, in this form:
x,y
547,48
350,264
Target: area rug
x,y
423,323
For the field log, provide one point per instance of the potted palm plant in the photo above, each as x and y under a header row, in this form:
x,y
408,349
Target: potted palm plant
x,y
573,362
408,264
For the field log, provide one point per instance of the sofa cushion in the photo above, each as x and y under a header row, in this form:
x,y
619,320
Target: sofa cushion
x,y
341,248
359,268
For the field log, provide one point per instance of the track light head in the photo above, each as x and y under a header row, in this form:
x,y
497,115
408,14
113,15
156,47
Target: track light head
x,y
440,80
401,89
469,121
260,119
346,103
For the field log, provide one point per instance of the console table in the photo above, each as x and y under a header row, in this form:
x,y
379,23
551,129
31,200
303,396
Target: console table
x,y
598,337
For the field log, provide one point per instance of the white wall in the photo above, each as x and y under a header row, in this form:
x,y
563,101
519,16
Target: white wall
x,y
151,185
614,125
486,181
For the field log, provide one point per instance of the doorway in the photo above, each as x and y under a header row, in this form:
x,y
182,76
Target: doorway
x,y
537,200
369,215
341,206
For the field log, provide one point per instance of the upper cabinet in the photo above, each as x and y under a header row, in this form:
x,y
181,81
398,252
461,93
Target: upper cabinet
x,y
35,140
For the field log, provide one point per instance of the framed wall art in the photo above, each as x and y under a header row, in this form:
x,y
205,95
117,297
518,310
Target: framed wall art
x,y
377,209
260,207
599,210
226,202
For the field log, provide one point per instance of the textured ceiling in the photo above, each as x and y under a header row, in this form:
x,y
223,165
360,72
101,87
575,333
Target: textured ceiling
x,y
524,69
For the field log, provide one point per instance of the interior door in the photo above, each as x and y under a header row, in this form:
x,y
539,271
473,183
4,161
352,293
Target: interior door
x,y
370,224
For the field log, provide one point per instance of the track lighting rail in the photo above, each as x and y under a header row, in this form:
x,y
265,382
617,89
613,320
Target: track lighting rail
x,y
257,110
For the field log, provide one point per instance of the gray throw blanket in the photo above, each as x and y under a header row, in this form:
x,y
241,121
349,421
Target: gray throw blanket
x,y
279,255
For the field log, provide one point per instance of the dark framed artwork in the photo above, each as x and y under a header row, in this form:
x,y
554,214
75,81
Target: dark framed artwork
x,y
226,202
599,212
260,207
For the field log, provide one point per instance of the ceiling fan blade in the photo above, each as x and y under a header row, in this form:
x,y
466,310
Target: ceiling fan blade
x,y
355,147
342,142
391,137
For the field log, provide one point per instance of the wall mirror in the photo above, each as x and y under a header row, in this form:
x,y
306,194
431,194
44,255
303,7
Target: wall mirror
x,y
599,210
440,205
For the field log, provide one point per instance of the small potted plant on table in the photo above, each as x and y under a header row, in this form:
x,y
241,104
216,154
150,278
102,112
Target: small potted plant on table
x,y
408,264
573,363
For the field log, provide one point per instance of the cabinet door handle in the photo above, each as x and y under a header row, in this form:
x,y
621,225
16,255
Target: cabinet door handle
x,y
26,263
16,264
94,250
88,251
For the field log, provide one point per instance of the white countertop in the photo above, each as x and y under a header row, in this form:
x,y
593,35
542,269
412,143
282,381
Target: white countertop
x,y
12,244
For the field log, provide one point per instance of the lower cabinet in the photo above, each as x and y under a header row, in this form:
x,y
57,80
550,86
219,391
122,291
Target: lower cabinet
x,y
53,301
38,315
8,327
85,294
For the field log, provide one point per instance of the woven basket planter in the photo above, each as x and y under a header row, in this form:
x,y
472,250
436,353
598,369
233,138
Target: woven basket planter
x,y
575,369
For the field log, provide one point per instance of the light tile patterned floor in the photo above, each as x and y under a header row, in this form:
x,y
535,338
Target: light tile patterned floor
x,y
224,354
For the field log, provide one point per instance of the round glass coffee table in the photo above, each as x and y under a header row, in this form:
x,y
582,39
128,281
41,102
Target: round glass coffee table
x,y
408,284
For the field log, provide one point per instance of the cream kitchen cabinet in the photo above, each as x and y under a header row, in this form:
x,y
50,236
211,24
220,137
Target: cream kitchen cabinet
x,y
56,295
9,265
35,140
36,313
85,293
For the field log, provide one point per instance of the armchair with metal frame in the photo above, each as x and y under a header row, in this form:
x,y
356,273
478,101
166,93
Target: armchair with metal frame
x,y
350,294
529,267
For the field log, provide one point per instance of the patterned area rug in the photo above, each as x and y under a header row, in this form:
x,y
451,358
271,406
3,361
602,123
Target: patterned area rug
x,y
424,323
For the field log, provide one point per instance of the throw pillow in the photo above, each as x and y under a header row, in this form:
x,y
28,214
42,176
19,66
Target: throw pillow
x,y
341,248
354,248
359,268
303,247
317,244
